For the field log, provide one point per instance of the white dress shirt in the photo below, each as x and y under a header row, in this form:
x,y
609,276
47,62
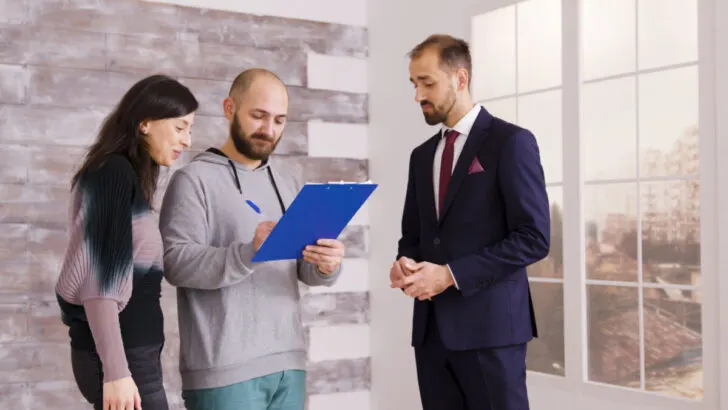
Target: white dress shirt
x,y
463,128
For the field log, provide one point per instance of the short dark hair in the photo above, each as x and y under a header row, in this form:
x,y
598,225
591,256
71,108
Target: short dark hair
x,y
154,97
242,81
454,52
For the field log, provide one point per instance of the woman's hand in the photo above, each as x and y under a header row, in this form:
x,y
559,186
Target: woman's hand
x,y
122,394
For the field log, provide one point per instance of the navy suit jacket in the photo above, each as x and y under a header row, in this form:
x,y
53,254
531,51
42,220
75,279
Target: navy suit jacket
x,y
494,224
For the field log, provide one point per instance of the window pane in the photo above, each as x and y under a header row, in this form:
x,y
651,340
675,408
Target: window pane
x,y
610,212
673,342
553,265
608,38
668,130
671,232
667,34
546,352
609,129
541,114
504,109
494,53
613,335
539,44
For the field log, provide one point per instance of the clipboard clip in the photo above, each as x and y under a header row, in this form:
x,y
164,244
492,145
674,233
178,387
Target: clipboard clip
x,y
342,182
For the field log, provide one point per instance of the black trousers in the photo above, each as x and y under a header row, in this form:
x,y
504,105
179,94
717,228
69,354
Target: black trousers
x,y
482,379
145,365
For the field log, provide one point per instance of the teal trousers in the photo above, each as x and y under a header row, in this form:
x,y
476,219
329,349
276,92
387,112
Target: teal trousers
x,y
284,390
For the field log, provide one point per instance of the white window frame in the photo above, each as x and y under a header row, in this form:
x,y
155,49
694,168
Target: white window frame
x,y
713,119
719,45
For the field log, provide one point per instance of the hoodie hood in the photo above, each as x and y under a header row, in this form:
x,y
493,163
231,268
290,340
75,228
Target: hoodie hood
x,y
215,156
271,180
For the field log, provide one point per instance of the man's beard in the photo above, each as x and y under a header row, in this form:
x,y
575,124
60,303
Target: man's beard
x,y
439,113
246,144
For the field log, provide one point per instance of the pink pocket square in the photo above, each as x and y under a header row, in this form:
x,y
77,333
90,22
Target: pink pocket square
x,y
475,167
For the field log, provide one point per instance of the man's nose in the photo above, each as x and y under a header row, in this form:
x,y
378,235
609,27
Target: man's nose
x,y
268,128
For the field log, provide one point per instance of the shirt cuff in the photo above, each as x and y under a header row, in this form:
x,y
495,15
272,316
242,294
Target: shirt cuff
x,y
453,277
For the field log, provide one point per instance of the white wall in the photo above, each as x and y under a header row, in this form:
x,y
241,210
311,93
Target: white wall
x,y
395,127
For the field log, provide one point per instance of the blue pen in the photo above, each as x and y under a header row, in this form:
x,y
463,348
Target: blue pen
x,y
254,206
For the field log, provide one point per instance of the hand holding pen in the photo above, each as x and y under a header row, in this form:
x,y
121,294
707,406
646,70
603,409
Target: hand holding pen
x,y
263,229
325,254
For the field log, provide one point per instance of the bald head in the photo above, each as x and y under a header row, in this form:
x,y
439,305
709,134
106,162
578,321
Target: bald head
x,y
245,80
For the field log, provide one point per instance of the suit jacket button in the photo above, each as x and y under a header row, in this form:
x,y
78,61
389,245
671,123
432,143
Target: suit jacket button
x,y
436,241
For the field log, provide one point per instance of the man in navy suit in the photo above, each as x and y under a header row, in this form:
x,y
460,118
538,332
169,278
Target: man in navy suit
x,y
476,214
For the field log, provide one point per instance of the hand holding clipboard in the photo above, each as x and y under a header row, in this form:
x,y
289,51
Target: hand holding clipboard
x,y
319,211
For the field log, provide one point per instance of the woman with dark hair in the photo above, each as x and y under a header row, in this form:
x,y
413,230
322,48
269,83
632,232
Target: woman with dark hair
x,y
109,287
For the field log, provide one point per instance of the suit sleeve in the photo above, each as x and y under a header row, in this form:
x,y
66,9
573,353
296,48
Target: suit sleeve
x,y
523,189
409,243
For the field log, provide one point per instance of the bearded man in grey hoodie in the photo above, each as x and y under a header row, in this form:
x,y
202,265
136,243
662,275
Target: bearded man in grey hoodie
x,y
241,339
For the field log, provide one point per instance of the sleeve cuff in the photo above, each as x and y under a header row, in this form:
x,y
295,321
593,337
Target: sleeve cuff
x,y
328,276
453,277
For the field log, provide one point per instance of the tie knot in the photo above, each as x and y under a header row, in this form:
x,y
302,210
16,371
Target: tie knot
x,y
450,136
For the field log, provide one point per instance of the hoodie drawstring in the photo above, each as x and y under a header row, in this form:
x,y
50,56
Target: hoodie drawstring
x,y
235,173
237,180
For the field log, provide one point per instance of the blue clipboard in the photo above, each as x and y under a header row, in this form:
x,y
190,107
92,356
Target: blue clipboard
x,y
319,211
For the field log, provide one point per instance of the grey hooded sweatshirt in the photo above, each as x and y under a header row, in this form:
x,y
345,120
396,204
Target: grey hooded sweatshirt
x,y
237,320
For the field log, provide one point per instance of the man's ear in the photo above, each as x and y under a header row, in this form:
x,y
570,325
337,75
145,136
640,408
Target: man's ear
x,y
229,107
462,78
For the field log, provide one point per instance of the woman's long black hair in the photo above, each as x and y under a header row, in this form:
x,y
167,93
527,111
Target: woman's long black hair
x,y
152,98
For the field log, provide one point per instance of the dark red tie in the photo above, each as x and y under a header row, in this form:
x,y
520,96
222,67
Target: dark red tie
x,y
446,166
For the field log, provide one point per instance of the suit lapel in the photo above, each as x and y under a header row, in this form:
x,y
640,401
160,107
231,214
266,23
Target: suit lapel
x,y
472,145
427,184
